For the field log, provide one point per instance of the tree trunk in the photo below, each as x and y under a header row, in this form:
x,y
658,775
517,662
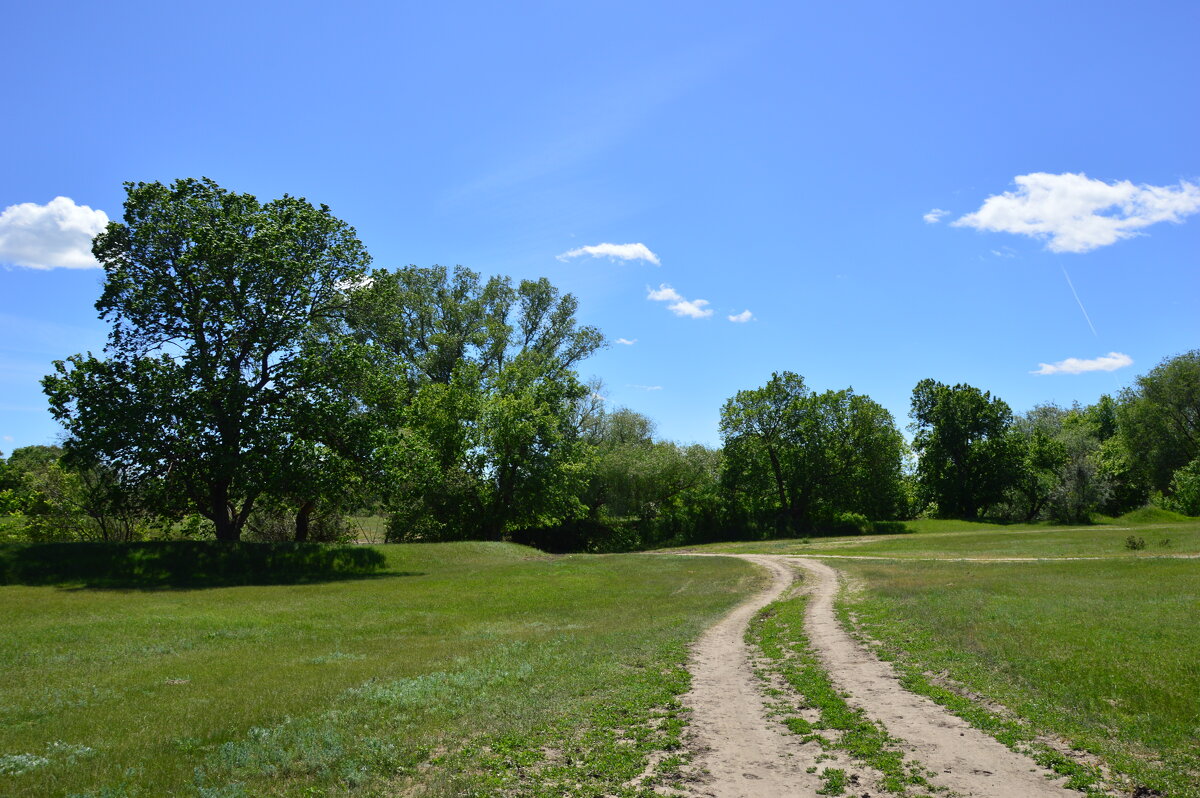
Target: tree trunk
x,y
225,519
227,529
302,516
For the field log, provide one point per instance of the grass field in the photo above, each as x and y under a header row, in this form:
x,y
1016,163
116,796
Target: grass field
x,y
1100,652
467,668
940,539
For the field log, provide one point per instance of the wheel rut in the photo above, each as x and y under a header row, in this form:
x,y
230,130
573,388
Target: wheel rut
x,y
746,754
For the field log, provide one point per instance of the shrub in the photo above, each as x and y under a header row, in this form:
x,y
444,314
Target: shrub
x,y
1184,496
848,524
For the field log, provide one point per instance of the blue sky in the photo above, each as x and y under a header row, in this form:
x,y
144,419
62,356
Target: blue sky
x,y
892,192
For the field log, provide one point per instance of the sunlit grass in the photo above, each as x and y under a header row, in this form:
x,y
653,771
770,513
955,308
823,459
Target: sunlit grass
x,y
367,683
943,538
1101,653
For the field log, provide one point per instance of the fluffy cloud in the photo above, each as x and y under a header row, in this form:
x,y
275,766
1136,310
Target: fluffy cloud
x,y
616,251
692,308
1074,365
741,318
935,216
664,293
1077,214
626,341
57,235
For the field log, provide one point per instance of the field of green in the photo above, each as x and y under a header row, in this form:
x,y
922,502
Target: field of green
x,y
463,669
943,538
1102,653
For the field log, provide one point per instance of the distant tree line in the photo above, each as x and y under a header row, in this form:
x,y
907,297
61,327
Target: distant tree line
x,y
261,381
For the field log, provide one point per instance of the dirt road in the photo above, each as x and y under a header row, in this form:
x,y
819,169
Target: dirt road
x,y
748,755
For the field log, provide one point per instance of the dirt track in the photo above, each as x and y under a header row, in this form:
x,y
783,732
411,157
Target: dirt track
x,y
748,755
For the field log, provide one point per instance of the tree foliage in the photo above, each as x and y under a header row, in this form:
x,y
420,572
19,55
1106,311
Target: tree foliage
x,y
219,306
485,397
1159,419
967,453
796,457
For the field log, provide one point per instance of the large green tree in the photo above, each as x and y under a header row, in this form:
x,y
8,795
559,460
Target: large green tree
x,y
1159,419
219,305
802,457
486,398
968,454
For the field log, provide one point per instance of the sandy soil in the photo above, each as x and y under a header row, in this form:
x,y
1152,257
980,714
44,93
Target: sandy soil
x,y
745,754
748,755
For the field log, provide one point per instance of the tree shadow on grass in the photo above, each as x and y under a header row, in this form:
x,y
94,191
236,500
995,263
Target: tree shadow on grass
x,y
169,565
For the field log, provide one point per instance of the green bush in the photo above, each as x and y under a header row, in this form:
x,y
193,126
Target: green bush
x,y
1184,496
848,524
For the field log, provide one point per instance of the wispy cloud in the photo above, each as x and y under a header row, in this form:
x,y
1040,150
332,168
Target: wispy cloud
x,y
615,252
1074,365
741,318
1075,213
646,387
935,216
57,235
692,308
626,341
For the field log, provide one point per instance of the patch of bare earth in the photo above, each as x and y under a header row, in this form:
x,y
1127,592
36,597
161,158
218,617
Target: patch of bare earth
x,y
741,752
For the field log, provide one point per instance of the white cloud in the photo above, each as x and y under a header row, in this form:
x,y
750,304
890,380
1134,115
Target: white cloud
x,y
692,308
646,387
741,318
617,251
57,235
1078,214
664,293
1074,365
626,341
935,216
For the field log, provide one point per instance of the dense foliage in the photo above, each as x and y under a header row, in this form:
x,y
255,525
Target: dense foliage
x,y
795,458
258,380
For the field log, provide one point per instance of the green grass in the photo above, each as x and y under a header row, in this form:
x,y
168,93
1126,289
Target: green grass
x,y
1100,653
464,669
368,528
941,538
778,633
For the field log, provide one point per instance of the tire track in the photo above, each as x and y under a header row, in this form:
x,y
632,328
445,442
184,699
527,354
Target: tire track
x,y
747,755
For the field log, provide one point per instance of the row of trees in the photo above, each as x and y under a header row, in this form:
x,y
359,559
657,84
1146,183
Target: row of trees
x,y
259,376
256,366
1065,464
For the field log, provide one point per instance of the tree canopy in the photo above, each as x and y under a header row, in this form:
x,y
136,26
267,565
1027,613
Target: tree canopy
x,y
967,454
219,306
802,457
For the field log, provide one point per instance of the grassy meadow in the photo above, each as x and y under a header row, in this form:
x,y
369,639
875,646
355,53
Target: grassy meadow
x,y
467,668
937,538
1101,653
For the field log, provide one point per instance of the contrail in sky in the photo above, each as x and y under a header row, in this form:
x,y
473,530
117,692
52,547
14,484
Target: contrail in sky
x,y
1081,307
